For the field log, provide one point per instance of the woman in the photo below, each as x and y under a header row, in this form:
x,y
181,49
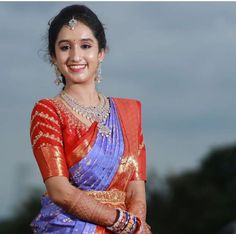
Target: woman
x,y
89,148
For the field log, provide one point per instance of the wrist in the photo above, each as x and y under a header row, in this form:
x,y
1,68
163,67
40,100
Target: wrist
x,y
125,223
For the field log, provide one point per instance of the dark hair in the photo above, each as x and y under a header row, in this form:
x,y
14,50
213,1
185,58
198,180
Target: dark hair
x,y
82,14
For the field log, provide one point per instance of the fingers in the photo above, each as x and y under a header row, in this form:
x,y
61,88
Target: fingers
x,y
146,229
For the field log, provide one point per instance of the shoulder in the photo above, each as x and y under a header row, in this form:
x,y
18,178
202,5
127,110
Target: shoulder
x,y
46,105
127,102
128,107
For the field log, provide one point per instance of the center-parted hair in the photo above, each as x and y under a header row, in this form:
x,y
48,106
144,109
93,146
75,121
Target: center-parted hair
x,y
84,15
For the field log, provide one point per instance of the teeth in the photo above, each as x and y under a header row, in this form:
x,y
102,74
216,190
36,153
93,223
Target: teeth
x,y
78,66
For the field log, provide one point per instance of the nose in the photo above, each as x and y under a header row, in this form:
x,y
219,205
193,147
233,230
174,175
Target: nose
x,y
75,54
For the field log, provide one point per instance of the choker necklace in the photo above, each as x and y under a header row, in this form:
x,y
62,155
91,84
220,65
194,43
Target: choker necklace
x,y
92,113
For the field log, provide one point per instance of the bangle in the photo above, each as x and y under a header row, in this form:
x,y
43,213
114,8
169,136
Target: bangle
x,y
139,226
124,224
131,226
134,226
117,221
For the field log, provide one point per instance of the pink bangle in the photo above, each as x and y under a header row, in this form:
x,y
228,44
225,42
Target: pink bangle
x,y
140,226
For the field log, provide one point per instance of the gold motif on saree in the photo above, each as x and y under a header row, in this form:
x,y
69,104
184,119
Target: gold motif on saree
x,y
51,160
140,147
45,125
46,135
127,163
45,106
112,196
45,116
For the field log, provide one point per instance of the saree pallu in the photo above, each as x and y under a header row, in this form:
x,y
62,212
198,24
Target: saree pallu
x,y
99,165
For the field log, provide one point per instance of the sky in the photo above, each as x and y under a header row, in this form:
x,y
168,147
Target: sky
x,y
178,58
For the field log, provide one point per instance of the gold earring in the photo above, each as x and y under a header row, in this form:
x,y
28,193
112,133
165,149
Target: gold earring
x,y
98,78
58,80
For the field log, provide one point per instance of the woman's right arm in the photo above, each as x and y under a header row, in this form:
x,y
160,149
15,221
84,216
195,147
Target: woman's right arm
x,y
78,203
47,143
48,147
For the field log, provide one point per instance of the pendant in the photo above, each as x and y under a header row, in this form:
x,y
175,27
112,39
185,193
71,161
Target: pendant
x,y
104,130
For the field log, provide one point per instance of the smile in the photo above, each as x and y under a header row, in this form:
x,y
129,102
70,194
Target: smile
x,y
77,68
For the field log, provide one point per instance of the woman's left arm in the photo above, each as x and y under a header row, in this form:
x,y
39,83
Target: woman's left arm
x,y
136,198
136,203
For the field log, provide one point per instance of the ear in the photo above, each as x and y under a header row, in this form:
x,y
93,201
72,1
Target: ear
x,y
101,55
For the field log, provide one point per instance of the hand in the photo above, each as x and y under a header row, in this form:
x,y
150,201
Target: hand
x,y
146,228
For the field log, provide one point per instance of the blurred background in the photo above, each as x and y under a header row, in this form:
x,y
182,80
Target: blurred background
x,y
178,58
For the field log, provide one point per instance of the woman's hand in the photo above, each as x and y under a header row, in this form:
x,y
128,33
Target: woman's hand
x,y
144,229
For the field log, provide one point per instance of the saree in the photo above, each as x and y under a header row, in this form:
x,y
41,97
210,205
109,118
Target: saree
x,y
100,166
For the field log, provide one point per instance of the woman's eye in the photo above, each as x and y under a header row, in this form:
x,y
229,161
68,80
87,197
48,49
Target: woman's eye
x,y
65,47
85,46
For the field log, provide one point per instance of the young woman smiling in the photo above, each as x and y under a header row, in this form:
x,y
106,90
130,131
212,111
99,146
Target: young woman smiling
x,y
89,147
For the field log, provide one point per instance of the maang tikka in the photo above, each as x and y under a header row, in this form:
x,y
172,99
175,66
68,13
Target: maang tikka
x,y
72,23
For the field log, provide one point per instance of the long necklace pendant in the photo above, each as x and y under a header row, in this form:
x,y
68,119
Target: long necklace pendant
x,y
104,130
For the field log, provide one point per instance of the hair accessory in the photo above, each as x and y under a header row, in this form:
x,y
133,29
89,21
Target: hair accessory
x,y
98,78
72,23
58,80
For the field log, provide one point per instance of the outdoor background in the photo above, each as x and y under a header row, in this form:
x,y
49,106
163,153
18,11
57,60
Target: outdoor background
x,y
179,60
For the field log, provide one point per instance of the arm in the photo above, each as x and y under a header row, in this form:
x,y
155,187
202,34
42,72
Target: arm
x,y
48,147
136,202
136,199
136,195
78,203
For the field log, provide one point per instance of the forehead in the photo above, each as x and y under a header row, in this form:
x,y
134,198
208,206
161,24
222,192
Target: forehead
x,y
80,31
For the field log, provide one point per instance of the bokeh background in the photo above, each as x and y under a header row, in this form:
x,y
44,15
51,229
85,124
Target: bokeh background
x,y
179,59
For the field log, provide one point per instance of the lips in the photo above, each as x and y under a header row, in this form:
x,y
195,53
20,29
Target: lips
x,y
77,67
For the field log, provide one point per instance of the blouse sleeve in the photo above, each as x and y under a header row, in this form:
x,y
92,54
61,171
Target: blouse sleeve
x,y
46,140
140,167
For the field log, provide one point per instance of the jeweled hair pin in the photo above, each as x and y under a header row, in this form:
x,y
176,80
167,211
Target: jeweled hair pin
x,y
72,23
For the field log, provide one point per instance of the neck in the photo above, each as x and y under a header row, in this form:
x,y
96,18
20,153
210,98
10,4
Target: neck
x,y
85,95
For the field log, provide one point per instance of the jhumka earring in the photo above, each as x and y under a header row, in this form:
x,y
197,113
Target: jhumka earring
x,y
58,80
98,78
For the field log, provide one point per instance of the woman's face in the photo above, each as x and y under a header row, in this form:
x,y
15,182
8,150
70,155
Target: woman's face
x,y
77,54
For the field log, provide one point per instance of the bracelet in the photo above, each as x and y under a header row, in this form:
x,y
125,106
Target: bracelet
x,y
134,226
125,223
115,227
131,226
140,226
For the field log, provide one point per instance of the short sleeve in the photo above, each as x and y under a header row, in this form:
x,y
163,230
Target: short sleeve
x,y
140,167
46,140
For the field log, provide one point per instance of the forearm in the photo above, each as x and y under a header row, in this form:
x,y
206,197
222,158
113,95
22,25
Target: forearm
x,y
78,203
136,199
81,205
137,207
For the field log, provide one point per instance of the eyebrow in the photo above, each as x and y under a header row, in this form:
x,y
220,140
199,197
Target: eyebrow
x,y
83,40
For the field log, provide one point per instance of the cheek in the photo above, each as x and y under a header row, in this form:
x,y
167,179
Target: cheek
x,y
92,57
60,56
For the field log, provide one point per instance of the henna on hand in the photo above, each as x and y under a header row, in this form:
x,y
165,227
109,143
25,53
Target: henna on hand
x,y
87,208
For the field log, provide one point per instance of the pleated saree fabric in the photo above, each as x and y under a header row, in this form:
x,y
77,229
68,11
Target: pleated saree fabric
x,y
99,165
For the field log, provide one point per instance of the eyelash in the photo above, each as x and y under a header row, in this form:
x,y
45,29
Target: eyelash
x,y
66,47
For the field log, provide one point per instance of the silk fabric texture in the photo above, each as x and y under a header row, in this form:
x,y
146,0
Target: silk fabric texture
x,y
99,165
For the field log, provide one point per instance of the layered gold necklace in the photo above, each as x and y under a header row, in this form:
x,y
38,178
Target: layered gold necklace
x,y
97,113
